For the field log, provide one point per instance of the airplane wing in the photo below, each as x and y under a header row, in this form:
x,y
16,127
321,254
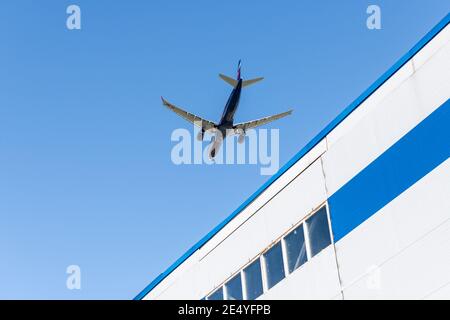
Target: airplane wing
x,y
256,123
192,118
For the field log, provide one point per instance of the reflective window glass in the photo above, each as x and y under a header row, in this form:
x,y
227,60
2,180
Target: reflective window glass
x,y
319,232
273,260
216,295
234,288
295,248
253,280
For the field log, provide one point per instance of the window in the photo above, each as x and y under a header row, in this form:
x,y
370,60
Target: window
x,y
234,288
273,260
319,232
314,232
253,281
216,295
295,248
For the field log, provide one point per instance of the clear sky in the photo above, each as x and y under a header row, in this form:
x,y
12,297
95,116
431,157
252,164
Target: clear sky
x,y
85,171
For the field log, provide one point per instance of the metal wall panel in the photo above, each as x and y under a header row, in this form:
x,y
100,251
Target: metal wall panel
x,y
442,293
266,196
380,127
417,272
398,230
441,39
316,279
296,201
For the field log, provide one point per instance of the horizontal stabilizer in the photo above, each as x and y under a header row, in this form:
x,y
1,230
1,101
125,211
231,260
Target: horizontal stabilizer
x,y
228,80
247,83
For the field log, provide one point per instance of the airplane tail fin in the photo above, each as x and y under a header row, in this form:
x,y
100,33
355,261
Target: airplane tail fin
x,y
234,82
239,71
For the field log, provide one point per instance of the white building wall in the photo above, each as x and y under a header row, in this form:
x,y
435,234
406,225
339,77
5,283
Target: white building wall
x,y
403,251
404,245
399,105
316,279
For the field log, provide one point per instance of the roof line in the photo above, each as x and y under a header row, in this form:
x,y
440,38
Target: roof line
x,y
321,135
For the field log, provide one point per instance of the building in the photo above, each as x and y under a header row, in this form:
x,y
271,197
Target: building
x,y
363,211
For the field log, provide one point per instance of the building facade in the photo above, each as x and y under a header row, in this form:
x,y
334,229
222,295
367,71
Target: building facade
x,y
362,212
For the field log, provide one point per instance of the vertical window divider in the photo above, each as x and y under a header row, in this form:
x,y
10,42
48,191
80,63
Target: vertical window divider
x,y
307,242
225,292
285,257
264,273
329,223
243,285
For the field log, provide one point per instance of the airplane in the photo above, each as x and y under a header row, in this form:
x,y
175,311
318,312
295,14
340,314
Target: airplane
x,y
226,126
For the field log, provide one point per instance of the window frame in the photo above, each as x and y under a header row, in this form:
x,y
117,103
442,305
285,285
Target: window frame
x,y
272,246
214,291
284,256
225,287
306,242
244,278
330,233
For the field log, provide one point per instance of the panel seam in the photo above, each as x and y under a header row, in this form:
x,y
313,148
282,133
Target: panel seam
x,y
331,231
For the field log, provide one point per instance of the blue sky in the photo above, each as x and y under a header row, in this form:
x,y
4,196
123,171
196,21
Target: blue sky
x,y
85,171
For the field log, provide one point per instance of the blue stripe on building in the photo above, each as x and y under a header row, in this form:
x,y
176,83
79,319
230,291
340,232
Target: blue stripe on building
x,y
412,157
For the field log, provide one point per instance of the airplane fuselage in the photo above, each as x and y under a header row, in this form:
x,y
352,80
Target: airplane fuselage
x,y
227,119
226,122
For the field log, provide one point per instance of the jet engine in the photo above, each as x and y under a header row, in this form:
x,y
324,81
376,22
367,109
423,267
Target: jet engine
x,y
241,134
200,135
241,138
